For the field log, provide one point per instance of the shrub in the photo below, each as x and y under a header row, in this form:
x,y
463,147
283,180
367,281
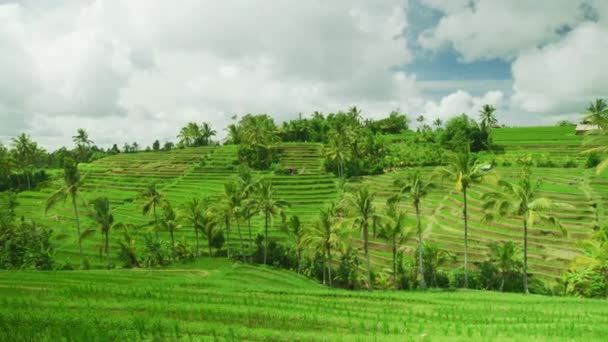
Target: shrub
x,y
593,160
570,163
25,245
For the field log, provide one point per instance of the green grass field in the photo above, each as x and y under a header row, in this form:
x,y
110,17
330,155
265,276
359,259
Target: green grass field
x,y
218,301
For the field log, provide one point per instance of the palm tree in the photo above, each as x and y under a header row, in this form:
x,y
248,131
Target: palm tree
x,y
438,122
393,230
504,257
464,170
193,212
338,153
206,133
101,213
435,258
24,150
597,113
361,206
322,236
70,188
415,188
209,226
487,121
82,141
522,200
233,204
420,119
269,207
169,223
153,199
249,211
234,134
295,231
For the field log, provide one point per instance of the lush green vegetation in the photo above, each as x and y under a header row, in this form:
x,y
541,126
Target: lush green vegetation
x,y
215,300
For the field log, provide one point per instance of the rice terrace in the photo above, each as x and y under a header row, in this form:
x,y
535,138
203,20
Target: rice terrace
x,y
288,178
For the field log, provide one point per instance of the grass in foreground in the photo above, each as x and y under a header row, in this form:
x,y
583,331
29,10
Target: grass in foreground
x,y
214,300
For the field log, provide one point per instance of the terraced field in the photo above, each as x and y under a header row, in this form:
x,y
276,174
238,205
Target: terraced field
x,y
215,300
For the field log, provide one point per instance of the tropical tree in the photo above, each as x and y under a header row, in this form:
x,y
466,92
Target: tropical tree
x,y
153,199
464,170
100,212
25,153
522,200
206,133
189,134
360,204
324,235
269,207
435,258
487,121
71,187
170,223
394,230
234,134
233,199
193,212
338,153
209,225
415,188
505,257
438,123
296,232
83,143
597,113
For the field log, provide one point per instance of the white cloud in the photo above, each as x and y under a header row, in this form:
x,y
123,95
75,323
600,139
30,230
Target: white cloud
x,y
488,29
461,102
136,69
565,76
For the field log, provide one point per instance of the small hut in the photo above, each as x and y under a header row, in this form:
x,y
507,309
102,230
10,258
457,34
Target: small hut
x,y
583,128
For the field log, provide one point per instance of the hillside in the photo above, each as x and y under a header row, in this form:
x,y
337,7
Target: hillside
x,y
215,300
201,172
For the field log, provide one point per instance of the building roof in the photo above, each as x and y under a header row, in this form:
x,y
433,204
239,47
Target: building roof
x,y
586,127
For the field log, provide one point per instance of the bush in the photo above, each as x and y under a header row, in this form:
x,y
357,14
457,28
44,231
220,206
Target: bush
x,y
25,245
570,164
457,279
593,160
156,253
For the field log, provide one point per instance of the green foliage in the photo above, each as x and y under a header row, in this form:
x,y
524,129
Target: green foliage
x,y
462,132
25,245
593,160
193,135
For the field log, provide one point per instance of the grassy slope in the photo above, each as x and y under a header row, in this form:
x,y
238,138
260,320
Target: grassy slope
x,y
216,300
201,172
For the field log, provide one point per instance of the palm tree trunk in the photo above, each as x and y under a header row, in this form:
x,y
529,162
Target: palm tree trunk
x,y
420,259
198,254
299,256
502,282
250,240
155,220
466,239
75,206
395,262
329,265
366,250
526,256
265,238
238,229
27,177
108,249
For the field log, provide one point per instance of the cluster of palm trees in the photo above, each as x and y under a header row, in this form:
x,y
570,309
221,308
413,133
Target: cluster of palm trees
x,y
193,134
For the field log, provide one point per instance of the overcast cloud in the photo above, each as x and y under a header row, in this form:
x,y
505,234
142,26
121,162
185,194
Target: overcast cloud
x,y
137,70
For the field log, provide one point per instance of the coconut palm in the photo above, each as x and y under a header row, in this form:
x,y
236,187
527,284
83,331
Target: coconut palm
x,y
169,223
487,121
435,258
250,210
415,188
233,199
338,153
295,231
360,204
82,138
438,123
597,113
394,230
71,187
153,199
522,200
234,134
505,257
324,235
100,212
192,213
24,151
464,170
269,207
206,133
209,225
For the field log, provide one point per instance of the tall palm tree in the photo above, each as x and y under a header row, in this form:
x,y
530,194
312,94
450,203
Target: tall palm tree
x,y
153,199
169,223
193,213
296,232
209,224
597,113
438,123
24,150
394,231
415,188
338,153
522,200
464,170
233,204
234,134
505,257
269,207
82,141
487,121
324,235
70,188
101,213
206,133
361,207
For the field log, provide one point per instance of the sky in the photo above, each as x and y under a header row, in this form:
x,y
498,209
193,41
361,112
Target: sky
x,y
138,70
